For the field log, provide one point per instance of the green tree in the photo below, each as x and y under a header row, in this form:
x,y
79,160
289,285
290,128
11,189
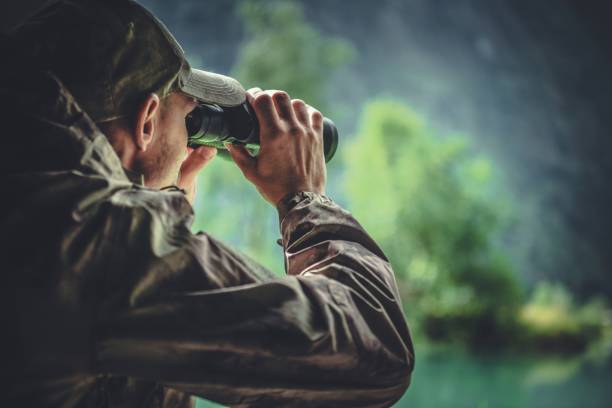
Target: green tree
x,y
432,204
283,51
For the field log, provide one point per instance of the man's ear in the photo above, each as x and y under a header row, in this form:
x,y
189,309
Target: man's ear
x,y
146,120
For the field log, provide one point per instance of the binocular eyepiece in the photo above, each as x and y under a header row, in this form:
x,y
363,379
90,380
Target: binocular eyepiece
x,y
213,125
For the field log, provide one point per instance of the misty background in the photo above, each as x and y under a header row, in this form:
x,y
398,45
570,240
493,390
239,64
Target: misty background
x,y
529,81
525,85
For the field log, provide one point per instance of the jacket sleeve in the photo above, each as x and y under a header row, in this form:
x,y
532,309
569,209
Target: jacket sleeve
x,y
204,319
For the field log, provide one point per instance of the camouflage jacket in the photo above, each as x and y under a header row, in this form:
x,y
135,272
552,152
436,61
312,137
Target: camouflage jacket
x,y
109,300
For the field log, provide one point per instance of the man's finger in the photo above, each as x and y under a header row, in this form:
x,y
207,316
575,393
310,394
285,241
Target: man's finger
x,y
317,120
254,90
243,159
284,108
265,111
195,161
301,111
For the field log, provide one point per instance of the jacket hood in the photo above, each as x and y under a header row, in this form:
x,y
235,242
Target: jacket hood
x,y
44,127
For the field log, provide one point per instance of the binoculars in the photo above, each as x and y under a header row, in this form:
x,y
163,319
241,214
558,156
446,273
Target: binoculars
x,y
213,125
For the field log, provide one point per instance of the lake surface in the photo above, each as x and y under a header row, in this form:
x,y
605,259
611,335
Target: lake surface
x,y
453,379
457,380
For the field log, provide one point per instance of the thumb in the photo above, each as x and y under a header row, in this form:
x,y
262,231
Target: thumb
x,y
195,161
243,159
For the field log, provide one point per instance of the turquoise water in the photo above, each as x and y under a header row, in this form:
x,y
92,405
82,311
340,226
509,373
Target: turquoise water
x,y
452,379
457,380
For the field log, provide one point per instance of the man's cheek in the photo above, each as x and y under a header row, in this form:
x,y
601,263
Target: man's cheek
x,y
180,156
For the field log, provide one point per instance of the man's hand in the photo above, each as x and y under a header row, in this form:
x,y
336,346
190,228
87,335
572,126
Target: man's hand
x,y
291,155
195,161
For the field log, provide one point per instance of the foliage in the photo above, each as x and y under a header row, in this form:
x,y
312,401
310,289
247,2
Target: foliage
x,y
282,51
551,320
432,205
285,52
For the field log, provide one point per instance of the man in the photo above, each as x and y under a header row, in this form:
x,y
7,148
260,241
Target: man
x,y
109,300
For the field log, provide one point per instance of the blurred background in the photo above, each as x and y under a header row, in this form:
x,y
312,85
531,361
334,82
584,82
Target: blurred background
x,y
475,148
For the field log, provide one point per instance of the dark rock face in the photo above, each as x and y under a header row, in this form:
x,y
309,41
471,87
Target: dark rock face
x,y
529,81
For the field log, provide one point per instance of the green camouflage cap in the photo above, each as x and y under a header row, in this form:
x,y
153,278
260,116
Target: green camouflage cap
x,y
111,53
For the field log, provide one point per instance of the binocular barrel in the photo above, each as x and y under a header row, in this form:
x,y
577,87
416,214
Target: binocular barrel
x,y
213,125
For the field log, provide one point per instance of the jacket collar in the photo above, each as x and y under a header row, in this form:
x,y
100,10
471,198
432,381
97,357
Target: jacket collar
x,y
134,177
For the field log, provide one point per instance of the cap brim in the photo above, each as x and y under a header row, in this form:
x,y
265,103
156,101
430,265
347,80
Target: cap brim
x,y
212,88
